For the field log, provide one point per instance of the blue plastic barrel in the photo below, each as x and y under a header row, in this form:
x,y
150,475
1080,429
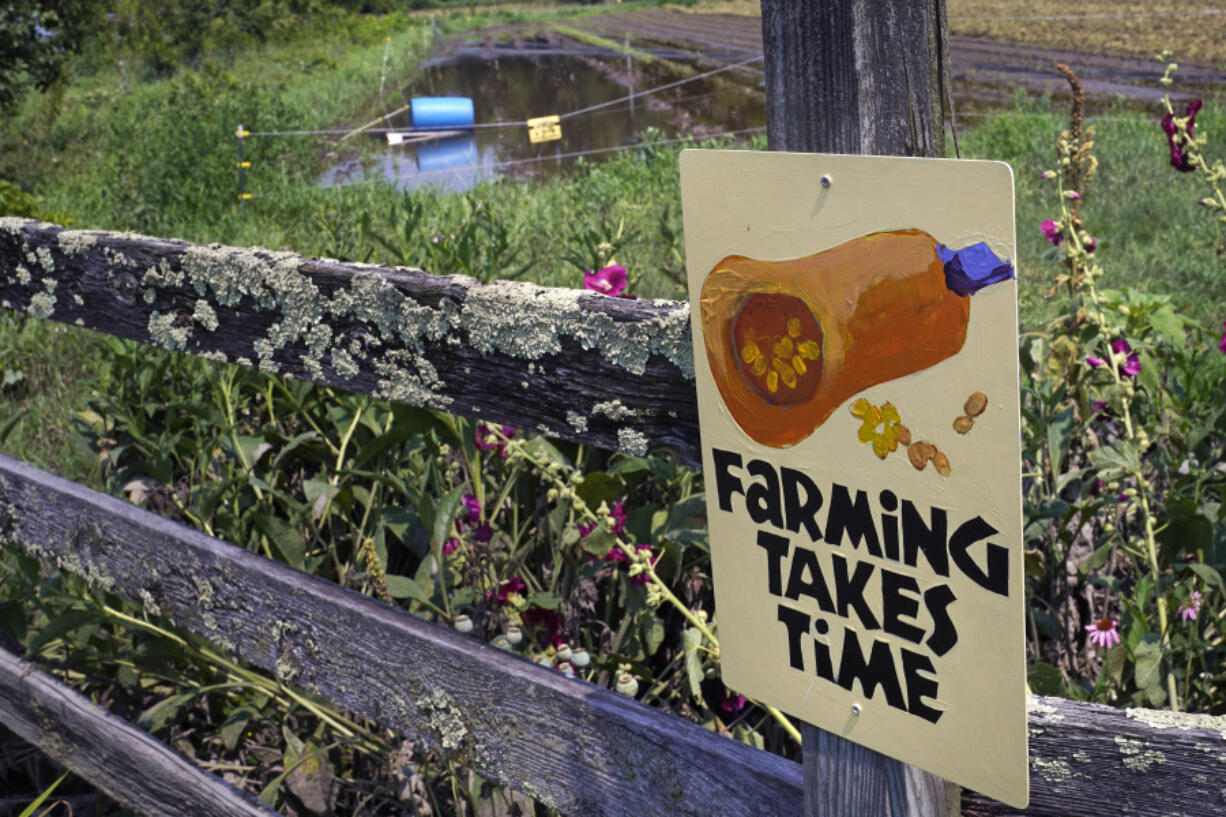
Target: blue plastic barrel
x,y
441,112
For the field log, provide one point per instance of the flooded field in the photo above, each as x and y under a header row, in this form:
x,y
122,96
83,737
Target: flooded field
x,y
516,72
513,84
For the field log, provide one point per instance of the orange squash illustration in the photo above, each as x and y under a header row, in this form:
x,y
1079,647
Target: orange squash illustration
x,y
789,341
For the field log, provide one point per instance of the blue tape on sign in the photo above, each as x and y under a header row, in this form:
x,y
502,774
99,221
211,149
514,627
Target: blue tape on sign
x,y
445,112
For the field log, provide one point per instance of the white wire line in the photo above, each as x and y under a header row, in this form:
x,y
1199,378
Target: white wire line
x,y
638,94
572,155
1121,15
509,123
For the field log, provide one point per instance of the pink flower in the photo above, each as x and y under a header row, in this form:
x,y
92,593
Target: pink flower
x,y
733,703
472,508
1103,633
616,554
450,546
546,625
513,585
1072,194
618,515
617,522
1221,346
1177,141
485,438
609,281
1051,231
1100,410
1130,367
1190,609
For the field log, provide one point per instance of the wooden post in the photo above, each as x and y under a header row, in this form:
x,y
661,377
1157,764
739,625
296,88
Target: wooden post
x,y
858,76
855,76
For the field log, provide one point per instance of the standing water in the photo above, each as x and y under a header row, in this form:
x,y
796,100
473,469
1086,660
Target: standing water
x,y
513,87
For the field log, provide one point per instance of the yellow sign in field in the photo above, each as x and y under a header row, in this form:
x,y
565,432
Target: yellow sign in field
x,y
855,357
544,129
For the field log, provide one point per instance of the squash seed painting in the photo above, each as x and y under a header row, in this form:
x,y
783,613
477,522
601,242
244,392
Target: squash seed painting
x,y
788,342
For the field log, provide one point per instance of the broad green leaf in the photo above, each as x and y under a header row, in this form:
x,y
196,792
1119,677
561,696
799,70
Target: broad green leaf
x,y
1121,456
1148,658
1045,679
1059,430
1097,559
288,541
599,487
599,541
1209,574
653,634
546,601
1170,325
444,514
232,730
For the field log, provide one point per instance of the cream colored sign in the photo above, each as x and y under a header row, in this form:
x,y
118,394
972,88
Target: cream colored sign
x,y
855,352
544,129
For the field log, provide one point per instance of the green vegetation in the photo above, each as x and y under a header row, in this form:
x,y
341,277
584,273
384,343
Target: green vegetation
x,y
451,519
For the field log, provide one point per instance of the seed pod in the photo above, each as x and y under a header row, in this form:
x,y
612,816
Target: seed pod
x,y
941,463
904,435
975,404
515,636
627,684
963,424
579,658
463,624
564,652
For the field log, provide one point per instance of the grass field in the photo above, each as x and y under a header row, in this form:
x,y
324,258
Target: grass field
x,y
158,158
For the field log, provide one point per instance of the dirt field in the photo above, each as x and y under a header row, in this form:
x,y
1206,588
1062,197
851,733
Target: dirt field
x,y
986,71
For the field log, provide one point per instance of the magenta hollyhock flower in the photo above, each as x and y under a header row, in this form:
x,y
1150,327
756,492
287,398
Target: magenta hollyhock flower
x,y
1190,609
618,515
1131,367
486,440
1100,409
1221,346
450,546
511,586
546,625
1051,231
609,281
1103,633
483,533
1090,244
472,508
1178,141
733,703
616,554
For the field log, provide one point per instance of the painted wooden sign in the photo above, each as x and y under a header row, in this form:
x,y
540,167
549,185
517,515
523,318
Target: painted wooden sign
x,y
855,352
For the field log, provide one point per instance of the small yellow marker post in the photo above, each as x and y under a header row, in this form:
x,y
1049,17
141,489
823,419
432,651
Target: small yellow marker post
x,y
544,129
240,133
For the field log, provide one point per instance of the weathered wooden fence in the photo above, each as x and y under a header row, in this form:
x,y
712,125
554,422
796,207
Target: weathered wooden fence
x,y
584,367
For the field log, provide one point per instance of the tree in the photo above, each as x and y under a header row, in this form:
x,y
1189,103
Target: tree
x,y
36,37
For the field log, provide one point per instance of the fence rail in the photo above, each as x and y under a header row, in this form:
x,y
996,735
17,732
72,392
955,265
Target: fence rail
x,y
125,762
571,745
610,372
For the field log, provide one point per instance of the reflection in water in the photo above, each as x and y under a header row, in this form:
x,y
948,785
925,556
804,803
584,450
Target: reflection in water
x,y
512,89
